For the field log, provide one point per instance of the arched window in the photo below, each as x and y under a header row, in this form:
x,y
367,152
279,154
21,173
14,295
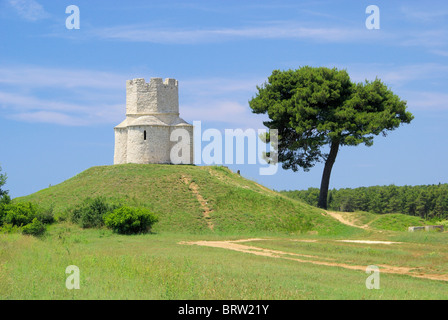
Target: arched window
x,y
144,135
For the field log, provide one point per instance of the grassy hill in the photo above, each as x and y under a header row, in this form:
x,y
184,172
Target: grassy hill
x,y
192,199
220,236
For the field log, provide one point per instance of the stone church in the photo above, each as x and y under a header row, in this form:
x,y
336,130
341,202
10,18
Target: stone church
x,y
152,113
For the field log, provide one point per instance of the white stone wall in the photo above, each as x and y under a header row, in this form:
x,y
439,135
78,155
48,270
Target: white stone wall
x,y
152,107
153,97
154,149
168,96
120,153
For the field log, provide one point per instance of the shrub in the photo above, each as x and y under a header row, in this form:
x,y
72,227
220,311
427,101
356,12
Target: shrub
x,y
45,215
19,214
9,228
127,220
2,213
35,228
89,214
24,216
62,216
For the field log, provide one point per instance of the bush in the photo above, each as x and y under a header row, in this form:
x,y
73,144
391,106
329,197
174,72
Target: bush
x,y
19,214
89,214
9,228
127,220
24,216
35,228
45,215
2,213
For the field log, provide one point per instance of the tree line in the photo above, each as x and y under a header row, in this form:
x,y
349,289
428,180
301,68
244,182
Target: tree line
x,y
425,201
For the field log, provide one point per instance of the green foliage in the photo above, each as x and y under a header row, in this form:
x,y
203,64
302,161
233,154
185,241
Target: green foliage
x,y
24,216
20,214
45,215
313,107
35,228
425,201
7,228
128,220
90,213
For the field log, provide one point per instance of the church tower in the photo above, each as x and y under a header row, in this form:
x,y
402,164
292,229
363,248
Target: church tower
x,y
152,114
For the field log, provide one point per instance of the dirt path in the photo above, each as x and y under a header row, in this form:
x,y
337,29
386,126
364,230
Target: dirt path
x,y
237,246
341,219
205,209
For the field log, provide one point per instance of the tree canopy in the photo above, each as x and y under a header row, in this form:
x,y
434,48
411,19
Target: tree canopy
x,y
317,107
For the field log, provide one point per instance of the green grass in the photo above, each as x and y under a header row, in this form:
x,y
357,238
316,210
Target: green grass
x,y
396,222
362,217
238,205
156,266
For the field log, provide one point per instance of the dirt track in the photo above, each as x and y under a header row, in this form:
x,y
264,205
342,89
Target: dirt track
x,y
237,246
195,190
341,219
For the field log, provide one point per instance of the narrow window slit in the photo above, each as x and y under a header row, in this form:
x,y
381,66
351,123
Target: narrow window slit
x,y
144,135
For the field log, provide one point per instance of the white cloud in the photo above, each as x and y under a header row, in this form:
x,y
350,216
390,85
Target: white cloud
x,y
33,76
88,97
30,108
49,117
422,14
435,38
221,85
268,30
443,53
228,112
395,75
425,100
29,10
23,102
221,100
61,96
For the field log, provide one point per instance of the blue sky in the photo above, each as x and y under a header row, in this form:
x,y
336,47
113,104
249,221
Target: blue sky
x,y
62,91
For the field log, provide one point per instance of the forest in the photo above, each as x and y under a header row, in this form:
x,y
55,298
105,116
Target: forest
x,y
425,201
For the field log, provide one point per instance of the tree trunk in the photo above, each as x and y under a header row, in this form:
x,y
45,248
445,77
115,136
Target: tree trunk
x,y
325,183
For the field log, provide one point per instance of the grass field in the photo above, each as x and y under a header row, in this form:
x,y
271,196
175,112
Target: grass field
x,y
161,266
220,236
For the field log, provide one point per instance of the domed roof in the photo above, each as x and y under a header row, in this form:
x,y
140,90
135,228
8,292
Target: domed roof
x,y
180,122
124,124
147,121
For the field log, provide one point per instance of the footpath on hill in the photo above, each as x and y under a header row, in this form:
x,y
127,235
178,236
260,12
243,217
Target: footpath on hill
x,y
340,218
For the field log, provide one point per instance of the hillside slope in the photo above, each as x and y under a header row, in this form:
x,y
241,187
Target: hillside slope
x,y
191,199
